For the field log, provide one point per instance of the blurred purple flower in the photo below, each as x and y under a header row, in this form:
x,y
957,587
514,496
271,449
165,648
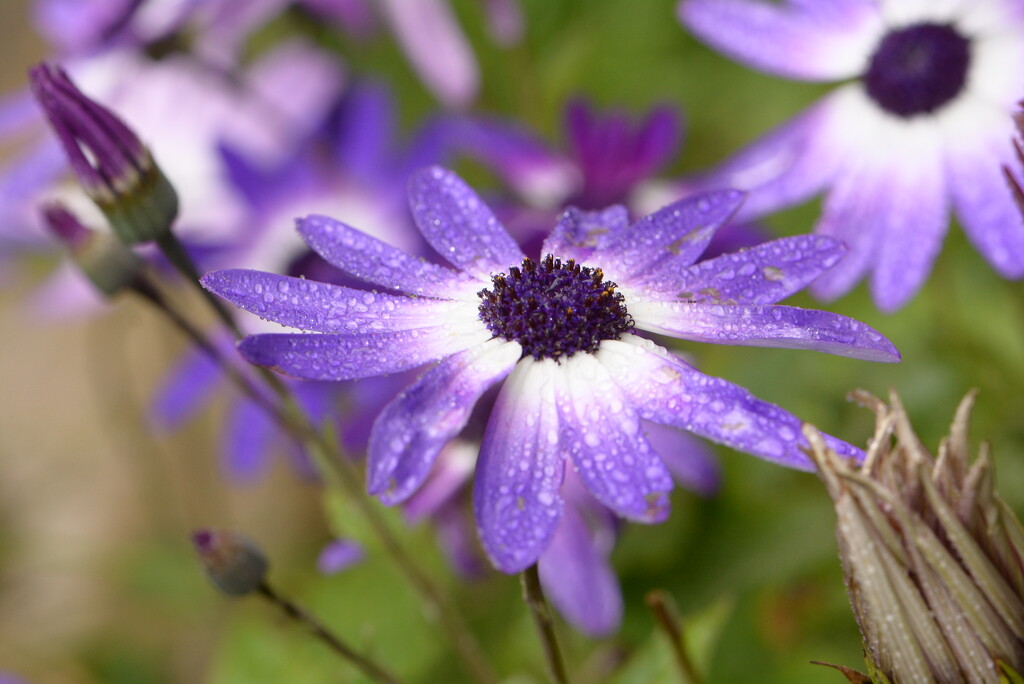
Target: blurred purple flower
x,y
562,334
923,128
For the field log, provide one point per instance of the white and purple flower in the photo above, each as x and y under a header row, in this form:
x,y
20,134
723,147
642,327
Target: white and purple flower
x,y
921,129
561,329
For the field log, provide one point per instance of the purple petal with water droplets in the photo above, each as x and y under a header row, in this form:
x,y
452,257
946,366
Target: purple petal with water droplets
x,y
516,495
676,234
410,432
457,223
763,274
346,357
777,39
578,234
322,307
579,580
765,326
375,261
669,391
600,432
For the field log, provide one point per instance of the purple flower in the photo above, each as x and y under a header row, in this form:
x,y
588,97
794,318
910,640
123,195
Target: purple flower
x,y
563,332
922,128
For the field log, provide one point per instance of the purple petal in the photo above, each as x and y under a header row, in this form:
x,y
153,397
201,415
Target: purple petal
x,y
339,555
780,40
247,439
690,461
322,307
515,153
455,534
676,234
666,390
436,47
412,429
916,215
765,326
793,162
579,580
601,433
578,234
854,212
978,149
447,479
347,357
365,131
762,275
457,224
377,262
302,82
186,389
518,476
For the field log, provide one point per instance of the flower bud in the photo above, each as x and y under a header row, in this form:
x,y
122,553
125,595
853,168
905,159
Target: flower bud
x,y
233,562
106,261
933,558
115,169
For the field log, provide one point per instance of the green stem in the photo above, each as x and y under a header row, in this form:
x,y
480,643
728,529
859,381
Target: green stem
x,y
364,663
660,603
175,253
533,596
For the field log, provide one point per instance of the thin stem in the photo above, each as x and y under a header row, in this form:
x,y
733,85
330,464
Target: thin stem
x,y
533,596
175,253
660,603
364,663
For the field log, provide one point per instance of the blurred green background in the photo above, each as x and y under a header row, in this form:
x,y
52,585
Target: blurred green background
x,y
97,579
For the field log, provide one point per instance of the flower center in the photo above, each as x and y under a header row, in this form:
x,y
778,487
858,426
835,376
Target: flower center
x,y
554,309
918,69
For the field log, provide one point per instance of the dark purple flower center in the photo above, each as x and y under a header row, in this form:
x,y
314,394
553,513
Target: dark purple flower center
x,y
554,308
918,69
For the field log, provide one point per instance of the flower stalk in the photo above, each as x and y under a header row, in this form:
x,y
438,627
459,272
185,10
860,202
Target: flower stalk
x,y
661,605
533,596
933,557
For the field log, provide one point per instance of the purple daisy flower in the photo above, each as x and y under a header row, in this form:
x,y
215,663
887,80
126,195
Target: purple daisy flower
x,y
922,129
562,330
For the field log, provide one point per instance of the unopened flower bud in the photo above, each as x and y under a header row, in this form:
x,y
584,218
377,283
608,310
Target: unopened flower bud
x,y
233,562
933,558
116,170
107,262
